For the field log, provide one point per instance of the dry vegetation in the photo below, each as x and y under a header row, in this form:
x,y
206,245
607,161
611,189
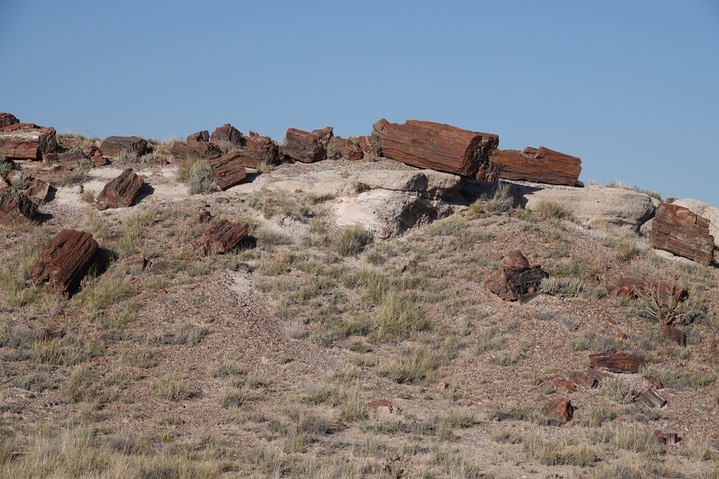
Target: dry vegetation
x,y
263,362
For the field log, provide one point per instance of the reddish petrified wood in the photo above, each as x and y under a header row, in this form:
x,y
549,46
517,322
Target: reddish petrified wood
x,y
516,260
198,137
228,170
95,155
583,379
369,145
617,362
668,438
436,146
195,150
65,261
651,398
115,146
227,137
120,192
348,149
511,284
38,189
540,165
27,141
640,288
16,206
221,237
258,150
307,146
7,119
677,230
560,409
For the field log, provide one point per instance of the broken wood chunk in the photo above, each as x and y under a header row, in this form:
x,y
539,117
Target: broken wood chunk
x,y
668,438
436,146
617,362
307,146
650,397
27,141
16,206
228,170
121,191
115,146
65,261
511,284
540,165
227,137
677,230
221,237
583,379
560,409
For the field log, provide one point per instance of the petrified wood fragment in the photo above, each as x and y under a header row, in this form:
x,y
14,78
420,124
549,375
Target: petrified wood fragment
x,y
677,230
16,206
227,137
307,146
560,409
228,170
114,146
221,237
65,261
27,141
120,192
540,165
617,362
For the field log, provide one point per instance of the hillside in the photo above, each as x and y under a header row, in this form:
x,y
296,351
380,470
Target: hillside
x,y
351,332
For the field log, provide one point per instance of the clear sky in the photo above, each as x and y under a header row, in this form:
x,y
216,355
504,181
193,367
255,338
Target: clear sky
x,y
631,87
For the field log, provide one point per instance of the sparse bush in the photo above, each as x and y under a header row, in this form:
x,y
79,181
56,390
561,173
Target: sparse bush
x,y
619,390
171,388
352,240
564,288
501,201
199,177
88,196
413,365
548,210
397,317
624,186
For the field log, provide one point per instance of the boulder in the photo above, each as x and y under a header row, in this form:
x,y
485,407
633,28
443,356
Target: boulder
x,y
95,155
38,189
677,230
395,180
559,409
442,185
121,191
114,146
539,165
227,137
27,141
704,210
436,146
307,147
65,261
387,213
228,170
198,137
15,206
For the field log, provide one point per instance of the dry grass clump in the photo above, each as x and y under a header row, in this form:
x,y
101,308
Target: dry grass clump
x,y
197,174
352,240
624,186
413,365
501,201
171,388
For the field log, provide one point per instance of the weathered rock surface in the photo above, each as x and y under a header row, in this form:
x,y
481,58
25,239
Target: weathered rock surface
x,y
258,150
114,146
348,149
677,230
205,150
388,213
65,261
559,409
704,210
395,180
307,146
228,170
121,191
16,206
442,185
227,137
221,237
617,362
27,141
540,165
436,146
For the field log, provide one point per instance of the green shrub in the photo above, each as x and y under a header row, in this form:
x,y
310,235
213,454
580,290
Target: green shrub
x,y
199,177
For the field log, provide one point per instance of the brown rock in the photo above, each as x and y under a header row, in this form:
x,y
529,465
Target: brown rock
x,y
27,141
560,409
7,119
258,150
677,230
511,284
653,382
668,438
65,261
651,398
436,146
583,379
516,260
228,170
120,192
95,155
221,237
71,160
640,288
196,150
16,206
134,265
114,146
369,145
341,148
227,137
617,362
199,137
539,165
307,147
38,189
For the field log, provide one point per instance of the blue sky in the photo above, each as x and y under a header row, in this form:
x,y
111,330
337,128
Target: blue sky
x,y
631,87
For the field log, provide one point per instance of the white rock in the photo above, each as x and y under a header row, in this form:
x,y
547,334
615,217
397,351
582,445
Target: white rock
x,y
442,185
395,180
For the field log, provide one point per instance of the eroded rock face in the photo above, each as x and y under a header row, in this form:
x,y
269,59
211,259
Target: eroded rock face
x,y
704,210
680,231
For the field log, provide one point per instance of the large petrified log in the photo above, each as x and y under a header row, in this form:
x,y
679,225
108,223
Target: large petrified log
x,y
121,191
516,279
436,146
307,146
617,362
65,261
221,237
677,230
27,141
195,150
258,150
227,137
540,165
16,205
115,146
228,170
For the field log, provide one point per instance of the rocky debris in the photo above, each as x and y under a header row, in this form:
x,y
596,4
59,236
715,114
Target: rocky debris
x,y
387,213
227,137
668,438
228,170
704,210
7,119
677,230
66,260
539,165
559,409
95,155
516,279
16,206
121,191
221,237
114,146
307,147
641,288
27,141
650,397
436,146
442,185
38,189
348,149
70,160
617,362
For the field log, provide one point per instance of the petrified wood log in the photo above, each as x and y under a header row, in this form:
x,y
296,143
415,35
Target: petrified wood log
x,y
583,379
65,261
540,165
344,148
436,146
114,146
120,192
221,237
510,284
677,230
227,137
27,141
16,206
668,438
228,170
202,136
560,409
38,189
195,150
307,146
617,362
258,150
650,397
